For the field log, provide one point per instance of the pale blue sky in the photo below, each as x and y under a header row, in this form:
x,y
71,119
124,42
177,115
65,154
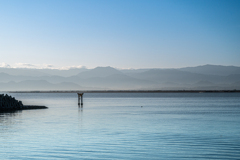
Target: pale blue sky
x,y
120,33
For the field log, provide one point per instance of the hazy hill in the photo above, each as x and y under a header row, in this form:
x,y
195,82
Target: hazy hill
x,y
116,81
4,77
201,77
213,70
38,85
64,73
42,72
127,71
99,72
204,83
23,72
166,75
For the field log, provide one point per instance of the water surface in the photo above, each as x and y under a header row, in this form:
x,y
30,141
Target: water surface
x,y
123,126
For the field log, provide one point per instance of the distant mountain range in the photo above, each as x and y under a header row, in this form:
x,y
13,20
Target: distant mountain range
x,y
213,70
205,77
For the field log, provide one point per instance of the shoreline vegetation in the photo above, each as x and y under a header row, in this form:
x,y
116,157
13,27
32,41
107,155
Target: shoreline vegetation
x,y
128,91
9,103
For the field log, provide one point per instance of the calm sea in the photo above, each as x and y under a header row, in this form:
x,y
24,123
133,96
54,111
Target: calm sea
x,y
124,126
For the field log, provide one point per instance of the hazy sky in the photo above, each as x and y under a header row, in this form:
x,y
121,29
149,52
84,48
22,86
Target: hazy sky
x,y
119,33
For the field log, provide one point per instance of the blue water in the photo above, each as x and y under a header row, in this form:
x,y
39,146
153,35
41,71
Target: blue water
x,y
124,126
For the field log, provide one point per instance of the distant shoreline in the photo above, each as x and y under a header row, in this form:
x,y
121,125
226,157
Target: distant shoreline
x,y
129,91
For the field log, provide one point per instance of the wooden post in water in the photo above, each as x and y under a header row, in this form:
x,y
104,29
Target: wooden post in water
x,y
80,96
82,99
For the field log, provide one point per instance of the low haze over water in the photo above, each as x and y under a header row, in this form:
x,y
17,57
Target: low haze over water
x,y
123,126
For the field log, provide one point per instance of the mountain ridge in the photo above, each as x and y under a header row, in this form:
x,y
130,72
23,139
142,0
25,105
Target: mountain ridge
x,y
226,77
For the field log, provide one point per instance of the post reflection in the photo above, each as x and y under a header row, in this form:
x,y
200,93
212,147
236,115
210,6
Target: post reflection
x,y
80,106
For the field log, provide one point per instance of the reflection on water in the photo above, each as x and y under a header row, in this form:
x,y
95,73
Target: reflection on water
x,y
124,127
9,117
80,106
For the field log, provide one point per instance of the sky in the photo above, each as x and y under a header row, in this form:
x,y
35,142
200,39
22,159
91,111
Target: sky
x,y
119,33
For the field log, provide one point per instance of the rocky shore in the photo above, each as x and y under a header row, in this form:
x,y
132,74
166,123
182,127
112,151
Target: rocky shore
x,y
9,103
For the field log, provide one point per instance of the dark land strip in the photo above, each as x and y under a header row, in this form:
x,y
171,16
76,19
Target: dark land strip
x,y
9,103
129,91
